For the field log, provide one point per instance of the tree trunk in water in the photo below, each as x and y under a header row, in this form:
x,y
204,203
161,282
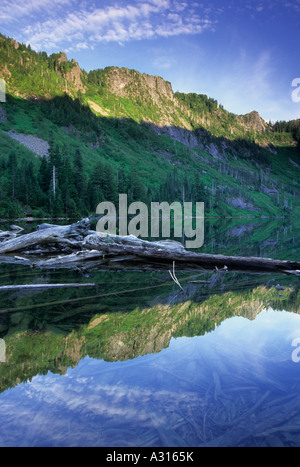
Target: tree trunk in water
x,y
87,246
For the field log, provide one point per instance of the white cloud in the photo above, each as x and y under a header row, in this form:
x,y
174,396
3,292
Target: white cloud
x,y
82,46
86,27
10,10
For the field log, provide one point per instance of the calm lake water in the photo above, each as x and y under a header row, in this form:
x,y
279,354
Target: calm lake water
x,y
139,362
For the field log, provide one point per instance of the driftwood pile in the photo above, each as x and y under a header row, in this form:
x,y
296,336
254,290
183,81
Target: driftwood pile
x,y
71,246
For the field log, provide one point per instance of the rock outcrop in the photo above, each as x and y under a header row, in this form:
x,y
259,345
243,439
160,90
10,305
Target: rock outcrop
x,y
134,85
71,74
253,122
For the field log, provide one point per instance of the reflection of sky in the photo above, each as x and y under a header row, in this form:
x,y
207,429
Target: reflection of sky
x,y
148,400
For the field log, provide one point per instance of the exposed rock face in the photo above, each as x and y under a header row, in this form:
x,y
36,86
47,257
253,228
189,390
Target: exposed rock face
x,y
171,118
15,44
269,191
62,58
73,77
181,135
196,126
241,204
193,139
5,73
253,121
241,230
147,91
132,84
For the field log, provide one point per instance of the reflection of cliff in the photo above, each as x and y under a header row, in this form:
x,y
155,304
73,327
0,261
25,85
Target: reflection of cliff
x,y
123,336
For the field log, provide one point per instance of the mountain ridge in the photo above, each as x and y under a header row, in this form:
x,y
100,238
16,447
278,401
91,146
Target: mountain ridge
x,y
121,82
131,128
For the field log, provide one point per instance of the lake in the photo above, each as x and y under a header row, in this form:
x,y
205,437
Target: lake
x,y
138,362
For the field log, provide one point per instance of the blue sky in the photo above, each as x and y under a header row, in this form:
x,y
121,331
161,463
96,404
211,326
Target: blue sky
x,y
244,53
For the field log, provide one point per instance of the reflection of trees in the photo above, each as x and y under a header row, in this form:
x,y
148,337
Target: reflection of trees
x,y
118,335
276,238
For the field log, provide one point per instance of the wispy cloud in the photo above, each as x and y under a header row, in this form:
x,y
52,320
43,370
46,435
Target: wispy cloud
x,y
164,62
87,26
12,10
248,84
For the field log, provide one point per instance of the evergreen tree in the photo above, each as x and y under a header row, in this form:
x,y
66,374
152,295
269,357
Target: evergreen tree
x,y
80,181
95,193
198,189
122,181
44,175
109,184
12,167
136,190
69,193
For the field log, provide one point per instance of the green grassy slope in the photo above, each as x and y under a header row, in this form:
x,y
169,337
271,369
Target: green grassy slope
x,y
232,187
115,130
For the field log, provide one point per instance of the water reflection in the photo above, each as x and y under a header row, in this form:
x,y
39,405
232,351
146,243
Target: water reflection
x,y
234,386
273,238
139,362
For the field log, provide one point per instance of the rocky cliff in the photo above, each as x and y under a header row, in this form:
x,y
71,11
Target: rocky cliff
x,y
192,119
253,122
72,74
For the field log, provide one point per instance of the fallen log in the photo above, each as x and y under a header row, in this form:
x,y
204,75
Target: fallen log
x,y
167,251
68,235
131,252
89,248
